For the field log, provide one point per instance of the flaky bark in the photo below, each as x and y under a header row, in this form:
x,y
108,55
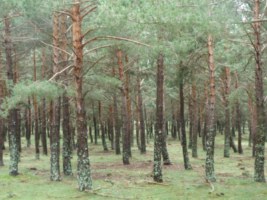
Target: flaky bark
x,y
209,167
54,130
67,150
126,150
159,131
12,118
259,94
84,171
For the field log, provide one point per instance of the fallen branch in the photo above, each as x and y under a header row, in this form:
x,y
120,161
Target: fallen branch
x,y
211,185
156,183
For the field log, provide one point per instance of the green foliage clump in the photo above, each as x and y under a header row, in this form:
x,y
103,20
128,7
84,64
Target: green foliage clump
x,y
23,90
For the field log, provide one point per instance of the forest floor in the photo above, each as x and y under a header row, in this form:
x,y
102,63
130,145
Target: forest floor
x,y
113,180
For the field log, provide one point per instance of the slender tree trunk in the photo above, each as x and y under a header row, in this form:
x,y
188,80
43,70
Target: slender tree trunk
x,y
2,95
129,103
137,125
103,132
238,119
195,121
67,169
174,125
28,123
35,107
67,150
253,122
141,116
209,167
16,80
126,150
159,132
111,126
43,109
84,171
259,95
96,128
187,164
12,118
227,129
190,116
54,130
117,126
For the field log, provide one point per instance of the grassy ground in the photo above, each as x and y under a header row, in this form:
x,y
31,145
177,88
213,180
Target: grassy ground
x,y
112,180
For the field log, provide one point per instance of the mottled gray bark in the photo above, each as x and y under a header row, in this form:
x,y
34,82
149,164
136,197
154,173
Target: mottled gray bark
x,y
12,118
209,164
259,95
159,131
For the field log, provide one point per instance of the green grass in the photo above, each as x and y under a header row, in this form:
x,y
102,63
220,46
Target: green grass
x,y
112,180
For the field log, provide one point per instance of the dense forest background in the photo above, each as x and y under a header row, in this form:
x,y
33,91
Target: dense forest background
x,y
133,76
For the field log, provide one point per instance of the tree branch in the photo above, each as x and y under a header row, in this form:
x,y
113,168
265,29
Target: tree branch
x,y
115,38
91,10
56,48
94,49
88,31
65,13
63,70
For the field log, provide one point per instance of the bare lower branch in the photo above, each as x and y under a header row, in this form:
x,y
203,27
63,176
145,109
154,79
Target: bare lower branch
x,y
126,39
89,11
94,49
87,32
56,48
65,13
60,72
115,38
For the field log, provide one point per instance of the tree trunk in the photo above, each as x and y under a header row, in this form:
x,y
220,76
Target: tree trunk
x,y
259,95
103,132
96,127
141,116
159,132
28,123
126,150
54,130
2,95
129,103
67,150
67,169
137,125
35,107
111,126
253,121
84,171
12,118
187,164
226,93
43,109
209,167
238,119
117,126
195,121
16,80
